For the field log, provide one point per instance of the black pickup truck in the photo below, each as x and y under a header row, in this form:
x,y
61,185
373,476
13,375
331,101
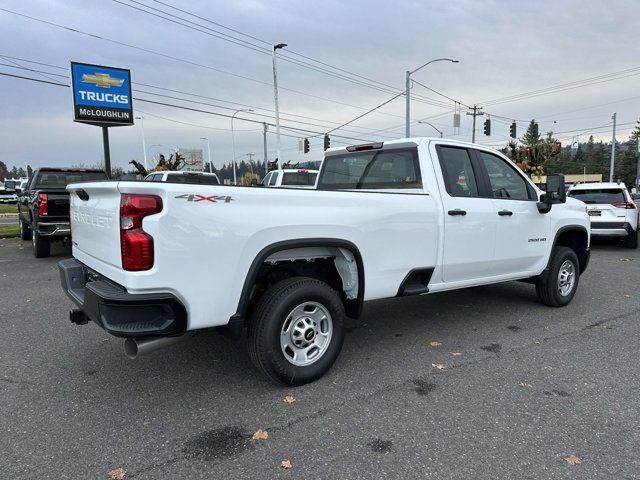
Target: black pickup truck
x,y
43,205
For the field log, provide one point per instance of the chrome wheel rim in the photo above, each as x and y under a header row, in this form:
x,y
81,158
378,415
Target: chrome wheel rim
x,y
566,278
306,334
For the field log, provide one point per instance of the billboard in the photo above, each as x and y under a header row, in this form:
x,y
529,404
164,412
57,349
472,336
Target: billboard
x,y
193,159
101,95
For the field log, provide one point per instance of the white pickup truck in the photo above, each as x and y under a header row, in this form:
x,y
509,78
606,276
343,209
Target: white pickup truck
x,y
153,261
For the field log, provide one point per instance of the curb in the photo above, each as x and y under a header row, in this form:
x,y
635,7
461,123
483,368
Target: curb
x,y
9,215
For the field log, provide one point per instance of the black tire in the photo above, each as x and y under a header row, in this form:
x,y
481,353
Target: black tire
x,y
269,317
41,245
548,286
632,240
25,231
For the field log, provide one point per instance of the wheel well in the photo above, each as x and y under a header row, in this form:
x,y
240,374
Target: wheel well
x,y
577,240
335,262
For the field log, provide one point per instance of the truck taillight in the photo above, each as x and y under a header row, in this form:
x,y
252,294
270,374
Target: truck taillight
x,y
627,205
43,205
135,244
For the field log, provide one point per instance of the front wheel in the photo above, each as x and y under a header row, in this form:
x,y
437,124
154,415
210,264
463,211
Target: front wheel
x,y
559,285
296,331
25,231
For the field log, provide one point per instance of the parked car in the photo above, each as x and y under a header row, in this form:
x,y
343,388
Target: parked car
x,y
193,178
152,261
8,192
43,207
291,178
611,210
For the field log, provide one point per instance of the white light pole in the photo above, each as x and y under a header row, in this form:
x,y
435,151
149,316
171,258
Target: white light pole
x,y
408,88
208,154
144,143
233,142
275,98
432,126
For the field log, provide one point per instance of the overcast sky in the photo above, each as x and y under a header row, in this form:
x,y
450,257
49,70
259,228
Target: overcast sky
x,y
504,47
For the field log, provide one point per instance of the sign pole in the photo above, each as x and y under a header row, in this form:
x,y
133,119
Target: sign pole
x,y
107,154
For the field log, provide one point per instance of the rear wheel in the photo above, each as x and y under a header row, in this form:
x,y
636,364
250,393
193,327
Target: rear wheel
x,y
557,287
296,331
41,245
632,240
25,231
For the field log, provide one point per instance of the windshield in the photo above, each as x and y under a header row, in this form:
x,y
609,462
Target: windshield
x,y
62,179
10,184
299,178
604,195
372,169
193,179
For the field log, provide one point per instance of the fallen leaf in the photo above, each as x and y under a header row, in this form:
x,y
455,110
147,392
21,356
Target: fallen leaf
x,y
439,366
572,460
627,296
117,473
456,354
286,464
260,435
625,259
526,385
435,344
289,399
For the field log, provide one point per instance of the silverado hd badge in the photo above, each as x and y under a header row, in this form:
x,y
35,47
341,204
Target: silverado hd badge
x,y
200,198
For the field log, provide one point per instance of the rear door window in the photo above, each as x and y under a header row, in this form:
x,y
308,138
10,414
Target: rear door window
x,y
274,178
457,170
371,169
599,196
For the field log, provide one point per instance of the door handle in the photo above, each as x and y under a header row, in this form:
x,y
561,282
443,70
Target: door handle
x,y
457,211
505,213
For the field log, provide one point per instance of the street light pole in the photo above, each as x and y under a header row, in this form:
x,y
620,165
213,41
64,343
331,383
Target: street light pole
x,y
432,126
233,143
408,89
275,98
208,154
144,143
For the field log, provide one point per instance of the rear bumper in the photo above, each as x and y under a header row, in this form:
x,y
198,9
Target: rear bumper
x,y
54,229
114,309
611,229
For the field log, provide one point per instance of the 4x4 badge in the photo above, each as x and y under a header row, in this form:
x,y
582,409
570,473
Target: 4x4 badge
x,y
201,198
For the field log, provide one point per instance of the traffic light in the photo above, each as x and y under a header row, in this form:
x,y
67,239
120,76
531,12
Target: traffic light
x,y
327,142
487,127
512,130
306,145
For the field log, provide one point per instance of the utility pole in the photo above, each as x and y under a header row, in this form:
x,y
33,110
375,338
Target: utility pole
x,y
264,143
638,167
613,149
275,98
477,111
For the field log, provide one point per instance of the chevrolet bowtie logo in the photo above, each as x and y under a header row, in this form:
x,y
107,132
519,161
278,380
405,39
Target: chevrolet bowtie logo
x,y
102,80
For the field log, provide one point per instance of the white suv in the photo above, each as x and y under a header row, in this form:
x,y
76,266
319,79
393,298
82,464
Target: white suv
x,y
611,210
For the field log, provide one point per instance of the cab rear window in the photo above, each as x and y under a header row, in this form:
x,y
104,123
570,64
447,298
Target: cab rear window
x,y
299,178
62,179
193,179
599,196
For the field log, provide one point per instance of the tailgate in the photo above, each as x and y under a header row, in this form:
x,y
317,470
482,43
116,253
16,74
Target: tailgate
x,y
95,223
605,213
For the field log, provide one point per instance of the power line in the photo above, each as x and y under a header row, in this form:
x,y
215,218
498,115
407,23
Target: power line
x,y
146,100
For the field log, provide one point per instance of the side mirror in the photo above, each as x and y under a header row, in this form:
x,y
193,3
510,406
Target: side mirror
x,y
555,193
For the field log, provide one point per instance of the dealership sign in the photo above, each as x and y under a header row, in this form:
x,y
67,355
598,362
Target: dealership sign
x,y
101,95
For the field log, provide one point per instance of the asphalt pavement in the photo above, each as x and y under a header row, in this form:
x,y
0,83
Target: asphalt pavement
x,y
524,391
